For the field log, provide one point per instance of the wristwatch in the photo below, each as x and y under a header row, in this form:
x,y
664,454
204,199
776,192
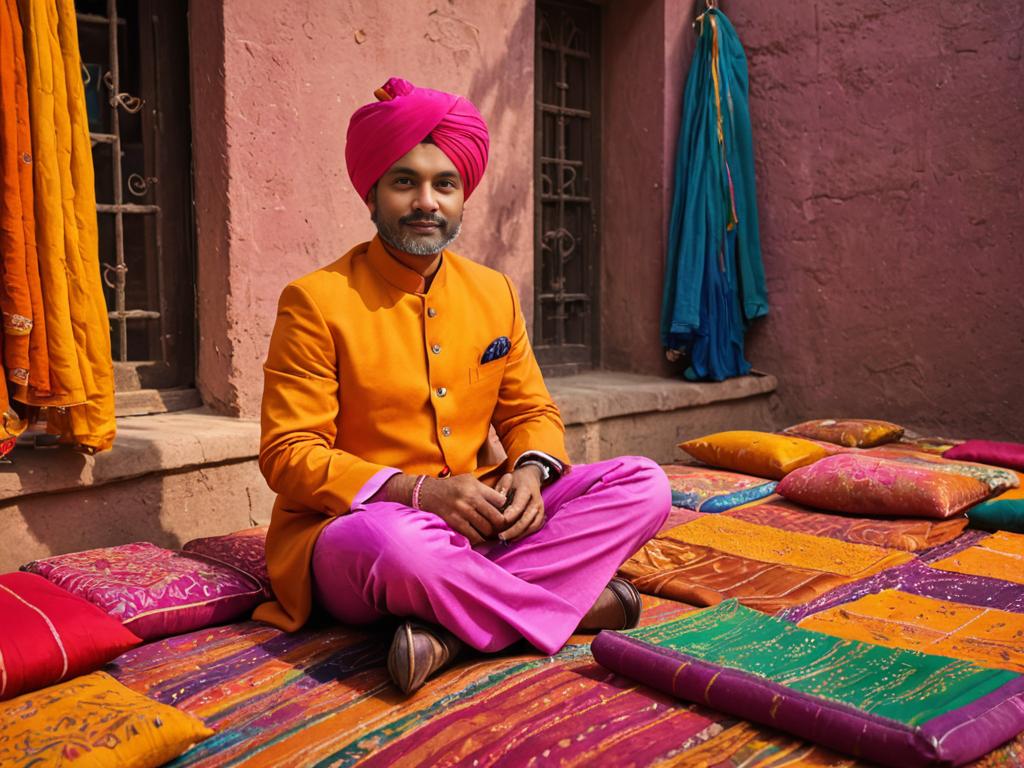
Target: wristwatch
x,y
547,473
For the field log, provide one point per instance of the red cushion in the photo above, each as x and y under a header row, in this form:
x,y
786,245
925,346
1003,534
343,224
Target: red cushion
x,y
50,635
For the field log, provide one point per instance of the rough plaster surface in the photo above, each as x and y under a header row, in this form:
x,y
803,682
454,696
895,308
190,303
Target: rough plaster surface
x,y
273,87
890,176
167,510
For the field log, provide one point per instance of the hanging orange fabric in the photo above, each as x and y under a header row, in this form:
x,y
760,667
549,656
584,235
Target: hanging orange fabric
x,y
39,363
78,331
91,425
15,300
66,385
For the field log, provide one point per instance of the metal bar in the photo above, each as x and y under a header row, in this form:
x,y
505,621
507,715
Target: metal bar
x,y
163,332
565,297
102,138
133,314
566,198
126,208
94,18
115,129
563,111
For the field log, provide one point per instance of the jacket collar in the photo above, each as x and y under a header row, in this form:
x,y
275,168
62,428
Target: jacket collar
x,y
399,275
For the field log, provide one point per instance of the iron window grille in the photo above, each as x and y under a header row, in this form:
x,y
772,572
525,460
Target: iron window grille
x,y
566,174
135,68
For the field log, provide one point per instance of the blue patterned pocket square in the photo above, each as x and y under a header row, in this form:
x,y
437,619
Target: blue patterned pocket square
x,y
497,348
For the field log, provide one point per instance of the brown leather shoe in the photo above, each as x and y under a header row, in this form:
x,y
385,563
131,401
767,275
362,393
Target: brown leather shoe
x,y
621,613
417,652
630,599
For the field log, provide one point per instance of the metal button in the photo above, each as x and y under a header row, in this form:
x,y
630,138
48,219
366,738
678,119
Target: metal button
x,y
436,349
441,391
445,432
431,312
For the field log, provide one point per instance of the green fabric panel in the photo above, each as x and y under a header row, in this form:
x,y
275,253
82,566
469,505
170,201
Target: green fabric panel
x,y
1005,515
906,686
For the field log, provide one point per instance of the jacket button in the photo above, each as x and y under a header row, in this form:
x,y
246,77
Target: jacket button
x,y
436,349
446,432
431,312
441,391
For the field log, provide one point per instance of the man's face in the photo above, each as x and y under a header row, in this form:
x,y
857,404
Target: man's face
x,y
417,204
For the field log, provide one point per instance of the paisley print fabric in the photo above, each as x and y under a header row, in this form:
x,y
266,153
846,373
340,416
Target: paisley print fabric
x,y
996,478
94,722
859,484
151,590
245,550
891,706
852,433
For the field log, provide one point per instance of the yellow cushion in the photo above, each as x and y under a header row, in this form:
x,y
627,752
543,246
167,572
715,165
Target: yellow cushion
x,y
93,721
754,453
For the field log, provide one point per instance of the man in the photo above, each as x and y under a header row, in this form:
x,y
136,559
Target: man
x,y
386,371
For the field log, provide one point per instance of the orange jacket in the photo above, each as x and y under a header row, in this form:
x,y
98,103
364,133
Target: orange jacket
x,y
366,371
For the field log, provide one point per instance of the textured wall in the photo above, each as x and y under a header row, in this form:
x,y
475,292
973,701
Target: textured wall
x,y
273,87
890,170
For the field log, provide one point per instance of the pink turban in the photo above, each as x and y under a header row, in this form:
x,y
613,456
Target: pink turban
x,y
404,115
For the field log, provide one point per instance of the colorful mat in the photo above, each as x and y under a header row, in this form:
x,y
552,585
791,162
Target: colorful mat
x,y
322,697
892,706
714,490
911,535
717,557
985,636
999,556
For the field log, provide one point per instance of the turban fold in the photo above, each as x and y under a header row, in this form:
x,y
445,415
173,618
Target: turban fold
x,y
382,132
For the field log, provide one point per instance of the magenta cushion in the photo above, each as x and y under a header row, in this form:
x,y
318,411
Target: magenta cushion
x,y
151,590
245,550
989,452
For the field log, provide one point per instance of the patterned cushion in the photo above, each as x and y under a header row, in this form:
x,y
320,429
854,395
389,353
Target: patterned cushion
x,y
867,485
754,453
245,550
853,433
989,452
93,721
153,591
885,705
996,478
714,490
50,635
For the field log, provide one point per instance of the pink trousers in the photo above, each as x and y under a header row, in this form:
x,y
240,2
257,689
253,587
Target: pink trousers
x,y
389,559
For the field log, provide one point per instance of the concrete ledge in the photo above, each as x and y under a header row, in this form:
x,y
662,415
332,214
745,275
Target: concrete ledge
x,y
167,442
601,395
610,414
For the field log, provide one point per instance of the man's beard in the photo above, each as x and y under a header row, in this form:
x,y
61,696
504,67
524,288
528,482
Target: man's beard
x,y
409,242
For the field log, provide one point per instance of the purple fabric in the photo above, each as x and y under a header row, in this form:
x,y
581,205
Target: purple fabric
x,y
950,739
989,452
917,578
389,559
959,544
153,591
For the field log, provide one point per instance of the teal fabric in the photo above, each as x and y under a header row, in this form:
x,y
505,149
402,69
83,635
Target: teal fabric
x,y
714,282
996,515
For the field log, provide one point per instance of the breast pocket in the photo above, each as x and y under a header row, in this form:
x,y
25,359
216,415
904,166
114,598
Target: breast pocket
x,y
488,372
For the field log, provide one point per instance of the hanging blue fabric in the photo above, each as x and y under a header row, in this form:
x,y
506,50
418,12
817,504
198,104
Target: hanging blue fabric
x,y
714,281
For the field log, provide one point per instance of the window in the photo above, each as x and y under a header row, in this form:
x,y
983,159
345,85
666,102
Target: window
x,y
567,172
135,64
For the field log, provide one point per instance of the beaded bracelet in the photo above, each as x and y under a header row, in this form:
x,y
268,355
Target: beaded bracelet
x,y
416,491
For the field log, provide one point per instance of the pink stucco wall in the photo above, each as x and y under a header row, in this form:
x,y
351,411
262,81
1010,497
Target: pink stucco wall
x,y
273,87
890,170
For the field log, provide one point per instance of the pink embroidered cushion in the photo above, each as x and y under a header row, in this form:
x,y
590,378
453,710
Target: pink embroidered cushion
x,y
49,635
151,590
989,452
853,433
245,550
865,485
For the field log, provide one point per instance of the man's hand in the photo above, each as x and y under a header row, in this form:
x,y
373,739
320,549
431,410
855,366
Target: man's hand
x,y
467,505
525,515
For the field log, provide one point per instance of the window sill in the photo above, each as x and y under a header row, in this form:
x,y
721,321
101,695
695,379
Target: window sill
x,y
166,442
596,395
